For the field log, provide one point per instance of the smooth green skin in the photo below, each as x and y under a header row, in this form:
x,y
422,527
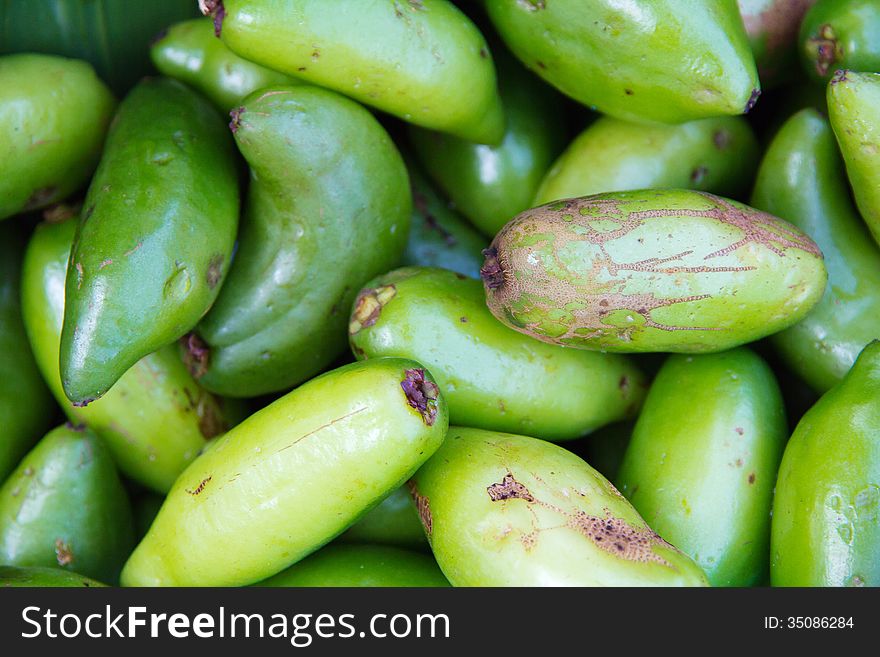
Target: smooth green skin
x,y
667,62
155,239
26,407
328,208
772,28
65,506
492,377
840,34
155,419
190,52
359,566
651,270
289,479
854,113
507,510
802,179
393,522
491,184
701,465
16,576
431,66
826,513
717,155
54,114
439,236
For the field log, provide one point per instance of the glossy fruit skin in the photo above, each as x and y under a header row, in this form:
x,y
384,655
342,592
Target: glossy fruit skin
x,y
663,62
431,67
293,476
361,565
155,419
438,235
155,238
54,114
191,52
802,179
840,35
717,155
492,377
772,28
854,113
33,576
826,526
306,245
651,270
491,184
702,462
26,407
394,521
65,506
507,510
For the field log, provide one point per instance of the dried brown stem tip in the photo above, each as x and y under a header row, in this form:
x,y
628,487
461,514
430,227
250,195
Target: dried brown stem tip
x,y
216,9
196,355
491,272
235,116
421,394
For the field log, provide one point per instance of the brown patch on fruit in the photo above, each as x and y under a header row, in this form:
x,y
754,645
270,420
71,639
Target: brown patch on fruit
x,y
721,139
368,306
825,49
492,271
509,489
423,506
198,489
235,119
196,355
211,420
215,271
60,212
63,552
421,394
751,477
40,197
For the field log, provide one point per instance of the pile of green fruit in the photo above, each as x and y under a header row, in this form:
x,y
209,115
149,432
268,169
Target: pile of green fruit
x,y
353,293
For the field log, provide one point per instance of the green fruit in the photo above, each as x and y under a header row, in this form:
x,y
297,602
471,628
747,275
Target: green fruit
x,y
491,377
826,514
155,238
651,270
772,28
65,506
26,406
491,184
642,60
429,66
361,565
702,462
155,419
54,114
393,522
293,476
506,510
716,155
802,179
17,576
854,112
328,208
840,34
191,52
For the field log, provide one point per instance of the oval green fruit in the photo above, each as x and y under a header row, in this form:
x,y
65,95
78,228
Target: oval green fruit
x,y
293,476
54,114
826,513
394,521
651,270
34,576
772,28
802,179
491,377
507,510
431,66
328,208
702,462
840,34
65,506
361,565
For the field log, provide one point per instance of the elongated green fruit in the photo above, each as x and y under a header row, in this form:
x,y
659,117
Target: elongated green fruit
x,y
191,52
772,28
826,513
155,238
492,377
716,155
33,576
65,506
361,565
393,522
854,112
651,270
507,510
702,462
430,65
293,476
26,406
670,61
802,179
155,419
491,184
54,114
840,34
328,208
